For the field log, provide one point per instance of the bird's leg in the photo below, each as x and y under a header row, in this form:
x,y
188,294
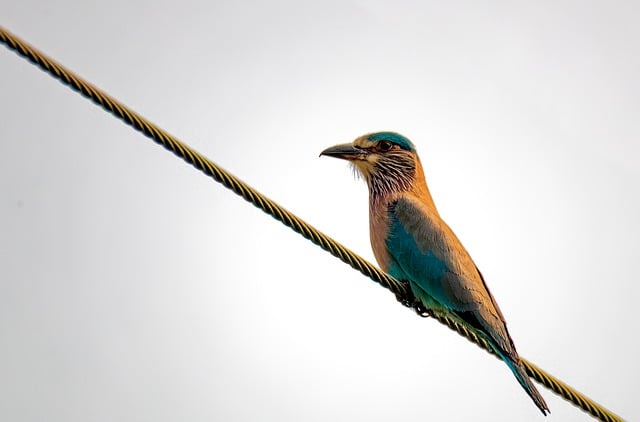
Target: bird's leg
x,y
405,296
407,299
421,310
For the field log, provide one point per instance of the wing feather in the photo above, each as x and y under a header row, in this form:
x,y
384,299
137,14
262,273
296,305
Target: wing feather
x,y
430,255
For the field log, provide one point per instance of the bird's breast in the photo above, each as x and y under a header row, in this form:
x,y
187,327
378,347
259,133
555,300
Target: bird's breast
x,y
378,232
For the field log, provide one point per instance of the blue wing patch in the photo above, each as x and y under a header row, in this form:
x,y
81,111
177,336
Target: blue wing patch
x,y
408,262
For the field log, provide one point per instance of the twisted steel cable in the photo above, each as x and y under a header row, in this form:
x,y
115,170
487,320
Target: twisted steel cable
x,y
400,289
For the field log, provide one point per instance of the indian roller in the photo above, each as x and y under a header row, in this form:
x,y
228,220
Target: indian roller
x,y
412,243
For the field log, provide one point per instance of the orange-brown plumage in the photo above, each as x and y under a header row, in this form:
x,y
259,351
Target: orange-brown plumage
x,y
411,242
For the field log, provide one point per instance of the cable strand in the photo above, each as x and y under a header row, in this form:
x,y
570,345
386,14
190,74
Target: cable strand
x,y
401,290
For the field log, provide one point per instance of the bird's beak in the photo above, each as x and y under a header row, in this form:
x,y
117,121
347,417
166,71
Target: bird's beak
x,y
345,151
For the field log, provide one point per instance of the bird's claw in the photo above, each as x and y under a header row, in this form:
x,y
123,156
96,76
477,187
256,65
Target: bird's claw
x,y
407,299
421,310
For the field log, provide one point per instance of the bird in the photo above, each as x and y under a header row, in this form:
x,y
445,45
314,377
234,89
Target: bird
x,y
412,243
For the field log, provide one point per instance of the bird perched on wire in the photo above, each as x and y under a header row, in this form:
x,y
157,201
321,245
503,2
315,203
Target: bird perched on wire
x,y
413,244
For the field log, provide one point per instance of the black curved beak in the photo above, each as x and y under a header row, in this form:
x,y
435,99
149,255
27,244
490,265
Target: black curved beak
x,y
345,152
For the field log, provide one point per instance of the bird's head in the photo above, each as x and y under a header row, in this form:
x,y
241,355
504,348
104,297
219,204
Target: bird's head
x,y
386,160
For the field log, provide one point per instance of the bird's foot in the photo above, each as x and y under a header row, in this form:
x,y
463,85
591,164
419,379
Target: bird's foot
x,y
406,301
421,310
406,297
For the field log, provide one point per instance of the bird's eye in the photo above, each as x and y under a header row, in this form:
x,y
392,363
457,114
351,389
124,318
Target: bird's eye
x,y
384,146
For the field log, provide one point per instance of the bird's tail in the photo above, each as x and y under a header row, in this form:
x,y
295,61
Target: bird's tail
x,y
523,378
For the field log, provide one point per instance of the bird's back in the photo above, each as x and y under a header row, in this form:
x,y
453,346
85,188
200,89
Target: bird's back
x,y
421,248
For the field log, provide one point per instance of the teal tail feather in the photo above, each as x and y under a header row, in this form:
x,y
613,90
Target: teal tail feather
x,y
523,378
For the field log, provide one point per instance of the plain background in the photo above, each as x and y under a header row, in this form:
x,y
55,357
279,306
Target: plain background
x,y
132,288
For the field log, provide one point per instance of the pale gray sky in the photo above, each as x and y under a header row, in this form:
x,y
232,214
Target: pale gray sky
x,y
132,288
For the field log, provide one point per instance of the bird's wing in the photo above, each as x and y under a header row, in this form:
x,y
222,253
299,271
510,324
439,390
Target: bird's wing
x,y
432,257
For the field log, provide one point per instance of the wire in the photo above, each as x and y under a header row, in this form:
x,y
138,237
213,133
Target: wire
x,y
401,290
